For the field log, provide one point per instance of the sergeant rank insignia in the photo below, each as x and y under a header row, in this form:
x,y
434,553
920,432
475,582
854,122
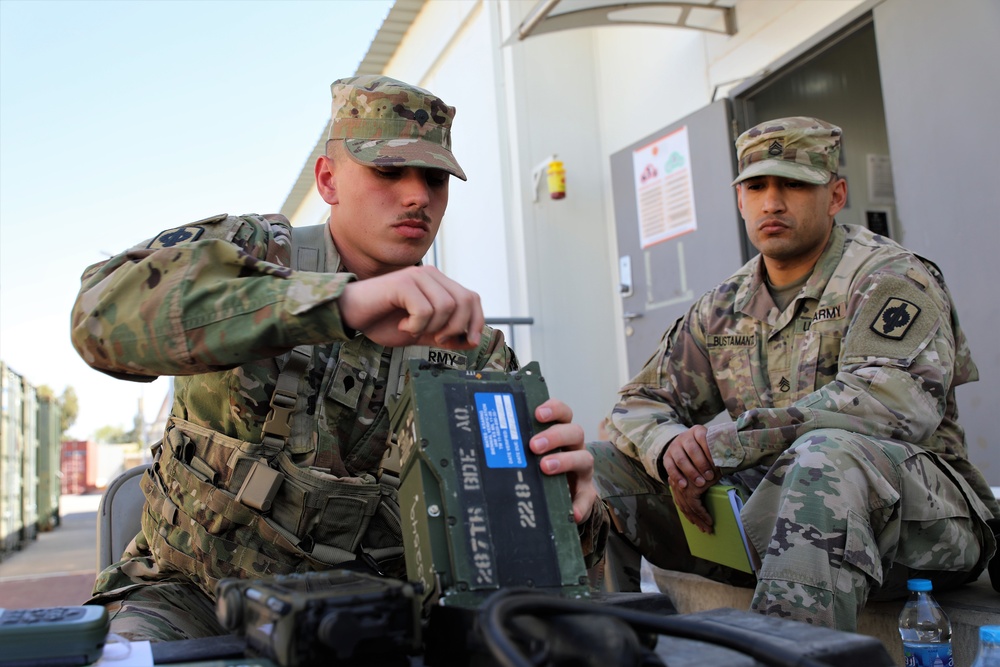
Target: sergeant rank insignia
x,y
895,318
172,237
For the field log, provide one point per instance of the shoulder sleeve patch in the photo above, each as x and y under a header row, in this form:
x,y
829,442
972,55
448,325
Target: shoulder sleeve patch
x,y
895,318
176,236
185,234
895,322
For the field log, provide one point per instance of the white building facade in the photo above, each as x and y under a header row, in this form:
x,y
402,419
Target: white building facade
x,y
909,80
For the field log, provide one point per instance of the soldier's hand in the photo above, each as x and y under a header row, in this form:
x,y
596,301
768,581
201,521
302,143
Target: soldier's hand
x,y
689,503
562,450
418,305
690,471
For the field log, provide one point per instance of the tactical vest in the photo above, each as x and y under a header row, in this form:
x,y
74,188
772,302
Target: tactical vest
x,y
221,507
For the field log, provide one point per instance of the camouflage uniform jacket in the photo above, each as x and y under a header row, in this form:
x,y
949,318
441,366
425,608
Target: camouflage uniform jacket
x,y
216,304
871,344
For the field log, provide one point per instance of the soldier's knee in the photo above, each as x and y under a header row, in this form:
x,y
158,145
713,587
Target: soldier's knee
x,y
615,473
831,438
831,448
601,450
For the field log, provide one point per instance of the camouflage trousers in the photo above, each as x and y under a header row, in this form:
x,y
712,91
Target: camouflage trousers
x,y
837,519
161,612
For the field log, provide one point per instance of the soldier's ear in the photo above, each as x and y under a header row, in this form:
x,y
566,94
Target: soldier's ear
x,y
326,182
838,196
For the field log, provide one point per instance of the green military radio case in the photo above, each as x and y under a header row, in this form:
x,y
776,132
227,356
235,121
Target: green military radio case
x,y
477,512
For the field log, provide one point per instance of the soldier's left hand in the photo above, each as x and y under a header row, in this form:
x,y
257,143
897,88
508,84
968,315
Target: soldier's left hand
x,y
562,450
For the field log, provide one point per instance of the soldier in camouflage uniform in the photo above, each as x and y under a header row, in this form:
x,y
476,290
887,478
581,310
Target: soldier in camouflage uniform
x,y
284,355
835,354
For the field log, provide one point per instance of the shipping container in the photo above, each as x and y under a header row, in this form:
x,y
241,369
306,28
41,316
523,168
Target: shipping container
x,y
49,485
29,462
79,466
11,385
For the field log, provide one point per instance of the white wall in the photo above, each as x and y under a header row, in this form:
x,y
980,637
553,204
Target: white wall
x,y
651,77
556,102
584,94
546,259
941,102
447,51
581,95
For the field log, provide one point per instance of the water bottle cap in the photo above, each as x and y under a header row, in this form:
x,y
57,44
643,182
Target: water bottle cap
x,y
990,633
919,585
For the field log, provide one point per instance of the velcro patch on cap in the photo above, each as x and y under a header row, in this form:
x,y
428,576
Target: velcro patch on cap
x,y
895,318
176,236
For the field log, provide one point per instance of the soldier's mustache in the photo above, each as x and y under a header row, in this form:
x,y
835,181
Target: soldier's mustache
x,y
419,215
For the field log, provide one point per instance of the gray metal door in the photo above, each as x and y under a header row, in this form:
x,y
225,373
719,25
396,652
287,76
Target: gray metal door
x,y
660,281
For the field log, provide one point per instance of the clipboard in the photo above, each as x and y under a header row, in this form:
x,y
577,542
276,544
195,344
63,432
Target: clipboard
x,y
727,544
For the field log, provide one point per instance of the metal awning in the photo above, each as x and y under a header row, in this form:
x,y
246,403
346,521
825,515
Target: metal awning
x,y
717,16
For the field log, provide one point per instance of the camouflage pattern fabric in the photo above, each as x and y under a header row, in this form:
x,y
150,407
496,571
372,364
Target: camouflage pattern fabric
x,y
837,551
387,123
216,304
843,521
164,613
855,380
172,610
801,148
642,510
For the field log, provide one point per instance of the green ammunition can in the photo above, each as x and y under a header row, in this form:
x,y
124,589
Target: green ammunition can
x,y
477,512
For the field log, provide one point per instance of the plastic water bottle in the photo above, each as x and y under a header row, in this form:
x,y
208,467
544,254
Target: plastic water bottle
x,y
925,628
989,647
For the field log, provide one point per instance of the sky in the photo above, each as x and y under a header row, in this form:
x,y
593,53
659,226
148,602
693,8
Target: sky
x,y
120,119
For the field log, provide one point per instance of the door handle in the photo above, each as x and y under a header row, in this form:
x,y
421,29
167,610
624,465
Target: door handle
x,y
628,317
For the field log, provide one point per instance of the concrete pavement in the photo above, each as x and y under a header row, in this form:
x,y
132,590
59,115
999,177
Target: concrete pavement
x,y
57,568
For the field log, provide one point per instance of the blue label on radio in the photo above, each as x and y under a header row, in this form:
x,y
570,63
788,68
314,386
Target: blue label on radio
x,y
502,444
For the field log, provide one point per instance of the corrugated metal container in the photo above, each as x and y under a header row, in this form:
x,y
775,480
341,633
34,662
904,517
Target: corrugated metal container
x,y
49,485
78,466
29,462
11,411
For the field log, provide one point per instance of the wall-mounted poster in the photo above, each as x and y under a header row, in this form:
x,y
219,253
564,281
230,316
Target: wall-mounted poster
x,y
663,191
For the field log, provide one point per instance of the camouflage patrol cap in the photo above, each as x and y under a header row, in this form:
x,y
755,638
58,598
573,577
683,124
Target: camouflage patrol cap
x,y
800,148
388,123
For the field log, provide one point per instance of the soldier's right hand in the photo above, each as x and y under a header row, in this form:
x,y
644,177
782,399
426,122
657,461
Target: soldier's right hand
x,y
417,305
690,471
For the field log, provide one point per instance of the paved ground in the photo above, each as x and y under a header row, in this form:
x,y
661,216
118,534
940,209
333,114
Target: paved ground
x,y
57,568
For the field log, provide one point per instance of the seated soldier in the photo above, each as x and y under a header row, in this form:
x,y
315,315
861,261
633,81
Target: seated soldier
x,y
835,353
